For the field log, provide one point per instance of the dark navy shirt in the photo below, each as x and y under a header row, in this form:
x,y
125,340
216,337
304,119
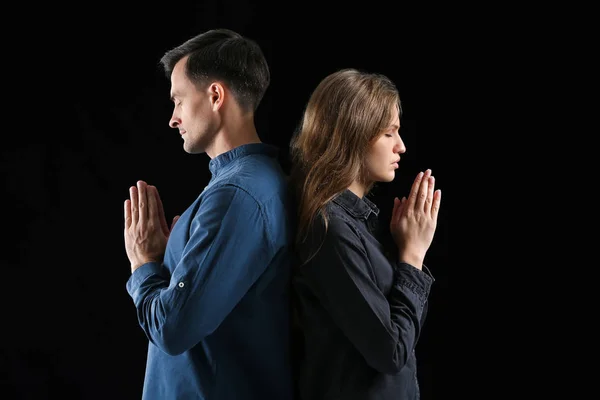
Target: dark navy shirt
x,y
359,312
216,311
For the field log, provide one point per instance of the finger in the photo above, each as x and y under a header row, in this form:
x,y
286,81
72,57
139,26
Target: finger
x,y
399,211
402,207
395,210
429,200
161,211
127,213
152,205
142,201
420,204
175,219
133,195
437,200
412,196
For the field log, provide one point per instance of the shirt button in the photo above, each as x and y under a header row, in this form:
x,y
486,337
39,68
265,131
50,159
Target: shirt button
x,y
181,284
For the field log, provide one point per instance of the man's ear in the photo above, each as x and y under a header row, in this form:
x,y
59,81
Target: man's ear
x,y
216,95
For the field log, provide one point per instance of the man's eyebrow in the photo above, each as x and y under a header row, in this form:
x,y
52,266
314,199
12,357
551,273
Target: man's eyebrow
x,y
173,96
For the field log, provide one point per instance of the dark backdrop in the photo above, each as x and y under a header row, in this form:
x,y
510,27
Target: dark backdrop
x,y
91,118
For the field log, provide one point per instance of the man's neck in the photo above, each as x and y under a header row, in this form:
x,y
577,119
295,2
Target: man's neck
x,y
229,139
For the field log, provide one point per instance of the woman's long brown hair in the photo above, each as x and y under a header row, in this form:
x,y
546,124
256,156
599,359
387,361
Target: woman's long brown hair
x,y
345,114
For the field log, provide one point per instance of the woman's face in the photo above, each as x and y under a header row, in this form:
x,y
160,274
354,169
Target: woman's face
x,y
384,155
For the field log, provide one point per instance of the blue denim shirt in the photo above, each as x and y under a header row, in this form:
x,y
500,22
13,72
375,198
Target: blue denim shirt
x,y
216,311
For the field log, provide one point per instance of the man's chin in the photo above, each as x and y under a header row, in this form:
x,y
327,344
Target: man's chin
x,y
193,149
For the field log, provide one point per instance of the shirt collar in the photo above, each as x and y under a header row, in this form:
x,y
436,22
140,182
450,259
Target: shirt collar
x,y
357,207
222,160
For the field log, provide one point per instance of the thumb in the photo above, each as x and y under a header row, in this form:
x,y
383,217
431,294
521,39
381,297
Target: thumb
x,y
394,212
401,205
175,219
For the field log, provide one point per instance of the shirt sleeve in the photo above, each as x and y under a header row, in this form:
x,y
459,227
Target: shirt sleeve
x,y
228,249
383,329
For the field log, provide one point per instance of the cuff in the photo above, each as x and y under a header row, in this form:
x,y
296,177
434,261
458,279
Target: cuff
x,y
138,277
418,280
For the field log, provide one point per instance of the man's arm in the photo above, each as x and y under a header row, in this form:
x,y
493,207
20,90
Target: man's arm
x,y
227,251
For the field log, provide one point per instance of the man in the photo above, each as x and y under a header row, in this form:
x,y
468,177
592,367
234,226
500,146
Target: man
x,y
212,292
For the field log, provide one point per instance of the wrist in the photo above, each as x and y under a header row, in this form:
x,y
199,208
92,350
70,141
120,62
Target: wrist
x,y
135,266
414,260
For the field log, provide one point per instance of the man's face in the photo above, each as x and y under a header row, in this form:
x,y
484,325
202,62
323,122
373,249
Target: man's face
x,y
193,114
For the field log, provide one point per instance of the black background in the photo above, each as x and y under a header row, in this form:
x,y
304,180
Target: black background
x,y
91,118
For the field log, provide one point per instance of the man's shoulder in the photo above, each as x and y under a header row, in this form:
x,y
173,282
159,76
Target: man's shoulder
x,y
260,163
257,176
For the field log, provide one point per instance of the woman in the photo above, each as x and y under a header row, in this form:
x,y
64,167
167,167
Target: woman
x,y
359,309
